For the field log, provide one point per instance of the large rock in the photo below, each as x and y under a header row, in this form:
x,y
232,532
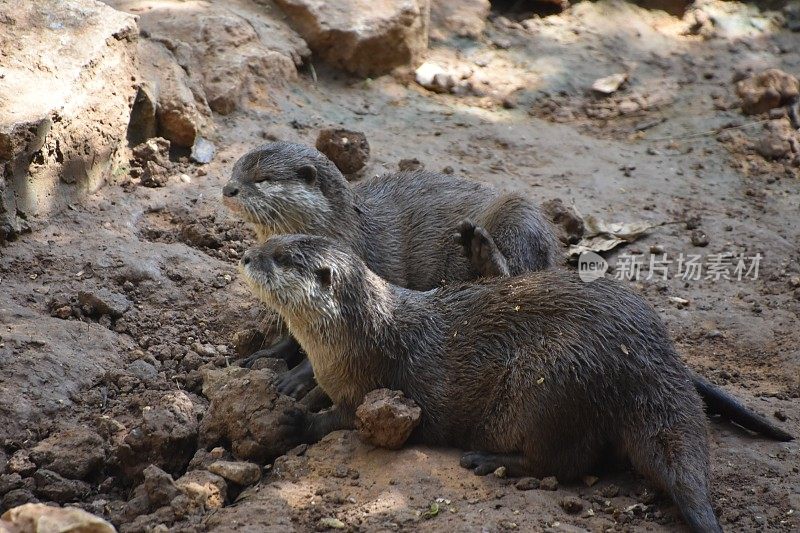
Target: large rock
x,y
365,37
245,411
40,518
67,86
462,18
229,54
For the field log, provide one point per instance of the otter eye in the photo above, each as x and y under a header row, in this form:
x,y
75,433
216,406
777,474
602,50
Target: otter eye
x,y
307,173
324,276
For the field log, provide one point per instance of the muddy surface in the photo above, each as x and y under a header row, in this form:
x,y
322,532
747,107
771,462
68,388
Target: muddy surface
x,y
111,315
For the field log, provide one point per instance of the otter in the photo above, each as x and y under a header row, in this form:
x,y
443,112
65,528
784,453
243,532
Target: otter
x,y
399,225
540,373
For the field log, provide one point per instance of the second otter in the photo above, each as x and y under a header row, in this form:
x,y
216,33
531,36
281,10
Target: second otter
x,y
539,373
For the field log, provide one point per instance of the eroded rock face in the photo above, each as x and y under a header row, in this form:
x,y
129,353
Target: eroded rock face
x,y
244,411
68,85
227,56
386,418
364,37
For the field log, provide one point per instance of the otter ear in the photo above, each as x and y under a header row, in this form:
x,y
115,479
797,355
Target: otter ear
x,y
324,276
307,173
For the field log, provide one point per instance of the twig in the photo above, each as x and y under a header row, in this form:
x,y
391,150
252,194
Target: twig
x,y
710,132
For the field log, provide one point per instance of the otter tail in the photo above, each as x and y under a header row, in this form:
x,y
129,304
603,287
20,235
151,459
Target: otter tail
x,y
676,460
722,403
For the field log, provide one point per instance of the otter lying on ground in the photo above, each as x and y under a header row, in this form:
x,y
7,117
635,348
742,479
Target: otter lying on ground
x,y
400,226
539,373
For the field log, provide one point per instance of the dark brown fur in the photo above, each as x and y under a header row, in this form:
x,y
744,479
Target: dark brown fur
x,y
539,373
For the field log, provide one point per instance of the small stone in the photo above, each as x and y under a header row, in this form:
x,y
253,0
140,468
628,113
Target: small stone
x,y
248,341
203,151
434,77
386,418
549,483
104,302
780,415
773,145
527,483
349,150
143,370
569,224
158,485
155,150
410,165
75,453
766,90
331,523
500,472
571,505
240,472
794,281
16,497
20,463
63,312
204,488
610,491
699,238
9,482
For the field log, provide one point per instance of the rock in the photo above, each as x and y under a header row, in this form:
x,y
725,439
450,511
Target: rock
x,y
239,472
590,481
143,123
55,487
158,486
569,225
248,341
363,37
330,523
273,364
766,90
53,51
527,483
75,453
549,483
465,18
40,518
9,482
610,491
571,505
410,165
142,370
386,418
202,151
20,463
16,497
154,175
203,488
699,238
349,150
779,139
245,410
780,415
155,150
434,77
610,84
165,437
104,302
228,58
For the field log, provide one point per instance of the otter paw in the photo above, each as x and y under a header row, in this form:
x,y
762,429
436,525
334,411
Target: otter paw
x,y
481,463
297,382
294,423
480,249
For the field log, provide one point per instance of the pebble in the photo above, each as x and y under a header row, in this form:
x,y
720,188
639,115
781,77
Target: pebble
x,y
549,483
527,483
571,505
699,238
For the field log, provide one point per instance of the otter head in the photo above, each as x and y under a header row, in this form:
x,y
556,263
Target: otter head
x,y
283,187
309,280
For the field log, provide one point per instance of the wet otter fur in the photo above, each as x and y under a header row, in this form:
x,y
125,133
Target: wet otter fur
x,y
540,373
400,226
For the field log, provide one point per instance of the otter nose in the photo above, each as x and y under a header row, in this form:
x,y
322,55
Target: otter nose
x,y
230,190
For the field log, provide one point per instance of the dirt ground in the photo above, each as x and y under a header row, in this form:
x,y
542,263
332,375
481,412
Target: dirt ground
x,y
654,151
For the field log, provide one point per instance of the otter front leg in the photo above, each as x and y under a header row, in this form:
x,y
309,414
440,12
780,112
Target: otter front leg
x,y
310,428
481,250
483,463
287,349
298,381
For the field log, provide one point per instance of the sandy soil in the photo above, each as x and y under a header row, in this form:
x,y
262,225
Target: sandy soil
x,y
638,155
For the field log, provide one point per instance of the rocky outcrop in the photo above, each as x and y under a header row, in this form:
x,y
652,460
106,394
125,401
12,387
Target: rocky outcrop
x,y
365,37
465,18
67,87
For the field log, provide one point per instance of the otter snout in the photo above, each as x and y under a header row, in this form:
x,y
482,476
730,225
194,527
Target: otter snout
x,y
230,190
